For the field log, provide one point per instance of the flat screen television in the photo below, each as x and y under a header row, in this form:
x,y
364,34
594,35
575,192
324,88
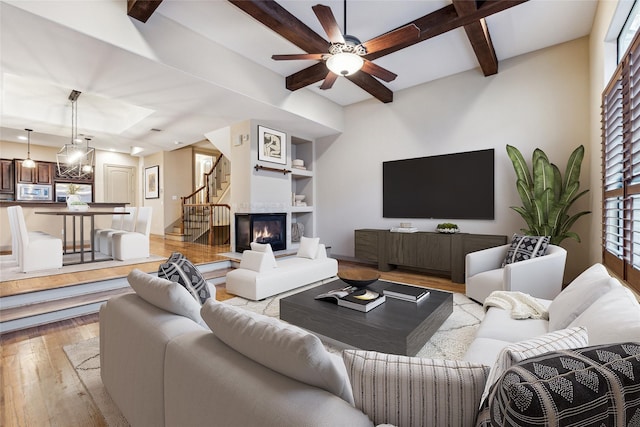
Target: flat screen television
x,y
450,186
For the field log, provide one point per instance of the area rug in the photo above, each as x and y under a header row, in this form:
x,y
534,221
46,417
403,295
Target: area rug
x,y
449,342
9,270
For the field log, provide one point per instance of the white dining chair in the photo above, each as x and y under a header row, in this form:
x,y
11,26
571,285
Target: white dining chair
x,y
134,244
36,250
116,224
106,237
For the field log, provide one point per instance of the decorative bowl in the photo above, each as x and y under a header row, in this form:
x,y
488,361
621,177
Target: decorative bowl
x,y
358,278
300,197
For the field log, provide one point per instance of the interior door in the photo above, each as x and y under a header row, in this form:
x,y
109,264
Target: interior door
x,y
119,184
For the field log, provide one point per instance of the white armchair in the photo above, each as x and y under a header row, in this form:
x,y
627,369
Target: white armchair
x,y
540,277
135,244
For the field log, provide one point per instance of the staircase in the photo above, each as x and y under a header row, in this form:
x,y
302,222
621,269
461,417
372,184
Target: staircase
x,y
205,220
38,308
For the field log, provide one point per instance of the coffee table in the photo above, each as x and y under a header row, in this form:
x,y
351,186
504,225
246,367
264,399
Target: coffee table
x,y
396,326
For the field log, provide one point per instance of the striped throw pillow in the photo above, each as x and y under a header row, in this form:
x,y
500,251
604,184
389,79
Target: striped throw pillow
x,y
564,339
410,391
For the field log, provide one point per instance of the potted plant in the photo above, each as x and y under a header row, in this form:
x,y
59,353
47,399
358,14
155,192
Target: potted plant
x,y
73,200
547,195
447,227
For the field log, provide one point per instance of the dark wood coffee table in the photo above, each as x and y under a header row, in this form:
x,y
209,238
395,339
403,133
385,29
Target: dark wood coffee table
x,y
396,326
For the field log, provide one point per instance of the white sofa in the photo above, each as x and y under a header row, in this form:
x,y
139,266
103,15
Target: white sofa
x,y
261,276
594,300
163,366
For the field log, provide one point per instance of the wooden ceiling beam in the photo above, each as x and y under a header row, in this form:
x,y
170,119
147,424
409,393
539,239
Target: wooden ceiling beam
x,y
373,86
447,19
478,35
278,19
306,77
142,9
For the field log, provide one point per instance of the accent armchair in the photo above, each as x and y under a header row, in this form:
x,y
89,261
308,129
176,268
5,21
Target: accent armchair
x,y
540,277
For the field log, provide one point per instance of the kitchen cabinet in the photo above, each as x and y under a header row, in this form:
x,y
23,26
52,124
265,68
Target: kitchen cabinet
x,y
6,176
43,173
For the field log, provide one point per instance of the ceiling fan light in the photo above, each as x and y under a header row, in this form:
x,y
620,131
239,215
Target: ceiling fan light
x,y
344,63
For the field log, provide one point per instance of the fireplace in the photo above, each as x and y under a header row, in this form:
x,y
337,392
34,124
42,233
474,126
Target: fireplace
x,y
261,228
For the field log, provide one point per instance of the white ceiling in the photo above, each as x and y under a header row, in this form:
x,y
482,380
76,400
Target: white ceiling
x,y
49,47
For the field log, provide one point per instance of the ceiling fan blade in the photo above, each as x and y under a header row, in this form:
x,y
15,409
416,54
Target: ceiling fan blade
x,y
329,81
373,86
377,71
408,33
328,22
316,56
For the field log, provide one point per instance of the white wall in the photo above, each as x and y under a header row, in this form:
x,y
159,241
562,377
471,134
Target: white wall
x,y
536,100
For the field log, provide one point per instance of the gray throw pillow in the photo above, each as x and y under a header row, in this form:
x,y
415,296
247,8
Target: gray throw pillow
x,y
180,270
279,346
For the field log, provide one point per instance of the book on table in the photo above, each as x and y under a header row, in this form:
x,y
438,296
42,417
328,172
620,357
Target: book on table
x,y
354,298
406,292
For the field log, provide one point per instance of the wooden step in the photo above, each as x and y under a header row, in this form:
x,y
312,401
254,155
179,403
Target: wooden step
x,y
27,310
178,237
30,310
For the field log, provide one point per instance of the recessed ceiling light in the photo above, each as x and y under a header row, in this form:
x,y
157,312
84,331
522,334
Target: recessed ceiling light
x,y
177,142
22,138
156,130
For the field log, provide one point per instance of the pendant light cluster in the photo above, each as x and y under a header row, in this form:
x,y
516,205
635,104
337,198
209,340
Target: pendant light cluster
x,y
75,159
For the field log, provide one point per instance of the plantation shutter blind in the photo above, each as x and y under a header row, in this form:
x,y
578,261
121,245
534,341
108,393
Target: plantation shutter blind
x,y
621,169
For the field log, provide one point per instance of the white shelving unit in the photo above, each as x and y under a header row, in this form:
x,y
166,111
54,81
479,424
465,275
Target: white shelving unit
x,y
302,182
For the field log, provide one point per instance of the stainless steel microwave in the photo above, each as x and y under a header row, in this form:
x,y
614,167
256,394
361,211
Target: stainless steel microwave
x,y
33,192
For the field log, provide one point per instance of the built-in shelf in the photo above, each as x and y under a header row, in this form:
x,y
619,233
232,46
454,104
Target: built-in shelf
x,y
300,209
301,173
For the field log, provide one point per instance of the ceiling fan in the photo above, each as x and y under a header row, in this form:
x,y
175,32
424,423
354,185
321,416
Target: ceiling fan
x,y
346,54
459,13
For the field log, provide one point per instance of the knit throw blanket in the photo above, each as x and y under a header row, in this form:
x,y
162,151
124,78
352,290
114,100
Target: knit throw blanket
x,y
522,306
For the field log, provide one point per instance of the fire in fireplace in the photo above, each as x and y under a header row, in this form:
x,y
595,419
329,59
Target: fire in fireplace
x,y
262,228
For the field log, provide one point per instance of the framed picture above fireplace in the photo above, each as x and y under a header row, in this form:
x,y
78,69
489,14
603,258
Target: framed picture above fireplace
x,y
272,145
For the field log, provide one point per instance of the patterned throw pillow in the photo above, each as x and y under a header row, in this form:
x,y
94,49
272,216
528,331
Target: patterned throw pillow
x,y
180,270
591,386
526,247
513,353
411,391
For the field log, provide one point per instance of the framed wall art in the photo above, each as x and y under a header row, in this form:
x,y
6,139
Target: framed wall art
x,y
152,182
272,145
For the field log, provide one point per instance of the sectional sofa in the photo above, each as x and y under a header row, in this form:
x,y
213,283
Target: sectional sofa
x,y
167,361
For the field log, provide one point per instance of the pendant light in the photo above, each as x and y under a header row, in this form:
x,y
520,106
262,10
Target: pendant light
x,y
75,159
28,163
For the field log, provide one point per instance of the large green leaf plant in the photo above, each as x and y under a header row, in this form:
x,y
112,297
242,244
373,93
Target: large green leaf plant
x,y
547,195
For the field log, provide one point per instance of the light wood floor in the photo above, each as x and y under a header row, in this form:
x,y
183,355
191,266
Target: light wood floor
x,y
38,384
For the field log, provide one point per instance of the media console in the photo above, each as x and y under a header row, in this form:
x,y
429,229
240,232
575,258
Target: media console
x,y
437,253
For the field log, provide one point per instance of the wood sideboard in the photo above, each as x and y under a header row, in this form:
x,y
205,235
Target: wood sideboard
x,y
437,253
